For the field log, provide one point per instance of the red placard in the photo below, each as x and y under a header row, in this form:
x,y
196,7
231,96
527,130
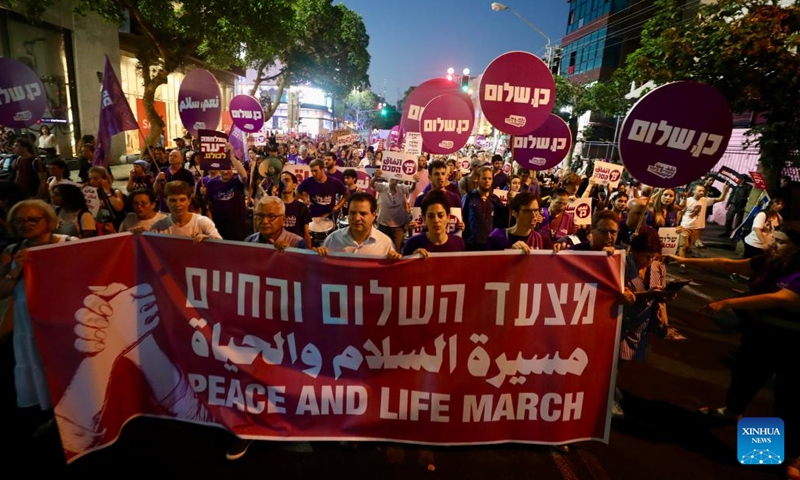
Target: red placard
x,y
758,180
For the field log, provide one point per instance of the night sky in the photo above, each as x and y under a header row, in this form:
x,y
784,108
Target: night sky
x,y
414,40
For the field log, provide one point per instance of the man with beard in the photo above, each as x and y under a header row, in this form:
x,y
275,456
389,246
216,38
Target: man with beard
x,y
478,210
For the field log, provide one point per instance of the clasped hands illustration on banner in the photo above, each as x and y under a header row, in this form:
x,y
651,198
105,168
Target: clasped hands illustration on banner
x,y
118,321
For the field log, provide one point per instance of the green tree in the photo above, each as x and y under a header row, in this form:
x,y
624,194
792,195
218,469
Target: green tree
x,y
327,48
171,34
570,104
748,50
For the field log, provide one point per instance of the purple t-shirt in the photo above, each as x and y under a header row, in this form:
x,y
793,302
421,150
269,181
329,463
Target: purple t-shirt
x,y
322,195
454,243
563,227
337,174
227,199
297,217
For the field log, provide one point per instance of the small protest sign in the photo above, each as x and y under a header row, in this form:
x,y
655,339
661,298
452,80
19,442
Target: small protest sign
x,y
213,150
399,165
607,174
581,209
414,143
729,176
669,240
758,180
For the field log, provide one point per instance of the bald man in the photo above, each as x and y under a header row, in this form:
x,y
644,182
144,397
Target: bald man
x,y
637,207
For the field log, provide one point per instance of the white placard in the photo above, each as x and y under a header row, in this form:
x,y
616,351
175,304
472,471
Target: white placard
x,y
669,240
581,209
92,200
607,174
399,165
414,143
300,171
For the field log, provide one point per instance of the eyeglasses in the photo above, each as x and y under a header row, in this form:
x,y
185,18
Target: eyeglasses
x,y
270,217
31,221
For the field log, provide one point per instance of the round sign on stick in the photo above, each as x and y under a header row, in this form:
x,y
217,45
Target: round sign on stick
x,y
517,93
247,113
198,101
544,148
675,134
22,95
446,124
423,94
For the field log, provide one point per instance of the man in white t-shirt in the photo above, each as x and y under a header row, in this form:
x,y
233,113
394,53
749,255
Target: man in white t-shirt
x,y
180,221
693,220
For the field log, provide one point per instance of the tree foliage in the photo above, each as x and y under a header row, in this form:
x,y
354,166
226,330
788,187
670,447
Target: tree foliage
x,y
172,34
747,49
326,48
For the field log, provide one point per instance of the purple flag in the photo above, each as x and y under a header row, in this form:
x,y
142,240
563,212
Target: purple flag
x,y
115,115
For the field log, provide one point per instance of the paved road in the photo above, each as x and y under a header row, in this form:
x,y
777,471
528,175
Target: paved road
x,y
660,438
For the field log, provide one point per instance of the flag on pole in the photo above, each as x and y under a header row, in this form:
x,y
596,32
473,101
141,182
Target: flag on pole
x,y
238,140
115,115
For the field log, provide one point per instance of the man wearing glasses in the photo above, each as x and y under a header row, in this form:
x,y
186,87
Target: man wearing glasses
x,y
268,218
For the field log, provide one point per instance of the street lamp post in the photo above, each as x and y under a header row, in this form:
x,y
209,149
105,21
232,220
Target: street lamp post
x,y
498,7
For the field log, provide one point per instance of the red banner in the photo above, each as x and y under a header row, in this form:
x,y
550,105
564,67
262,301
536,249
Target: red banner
x,y
290,346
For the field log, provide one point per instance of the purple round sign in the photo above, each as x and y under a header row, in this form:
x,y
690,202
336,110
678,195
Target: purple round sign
x,y
423,94
198,101
247,113
675,134
517,93
544,148
22,95
446,124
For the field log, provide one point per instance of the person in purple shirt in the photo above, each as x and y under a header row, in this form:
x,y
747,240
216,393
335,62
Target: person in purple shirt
x,y
770,331
320,192
226,198
437,174
297,215
500,178
174,172
557,222
478,209
330,167
436,212
523,235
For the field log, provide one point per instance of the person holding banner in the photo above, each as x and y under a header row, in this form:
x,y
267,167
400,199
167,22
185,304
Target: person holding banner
x,y
436,212
523,235
359,236
771,330
180,221
144,204
269,215
33,222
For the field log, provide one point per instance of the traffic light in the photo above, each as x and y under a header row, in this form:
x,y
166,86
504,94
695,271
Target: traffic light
x,y
384,111
464,83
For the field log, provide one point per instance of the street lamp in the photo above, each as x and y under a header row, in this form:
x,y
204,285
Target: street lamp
x,y
498,7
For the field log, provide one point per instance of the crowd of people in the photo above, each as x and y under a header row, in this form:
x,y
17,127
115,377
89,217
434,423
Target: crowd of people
x,y
502,205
